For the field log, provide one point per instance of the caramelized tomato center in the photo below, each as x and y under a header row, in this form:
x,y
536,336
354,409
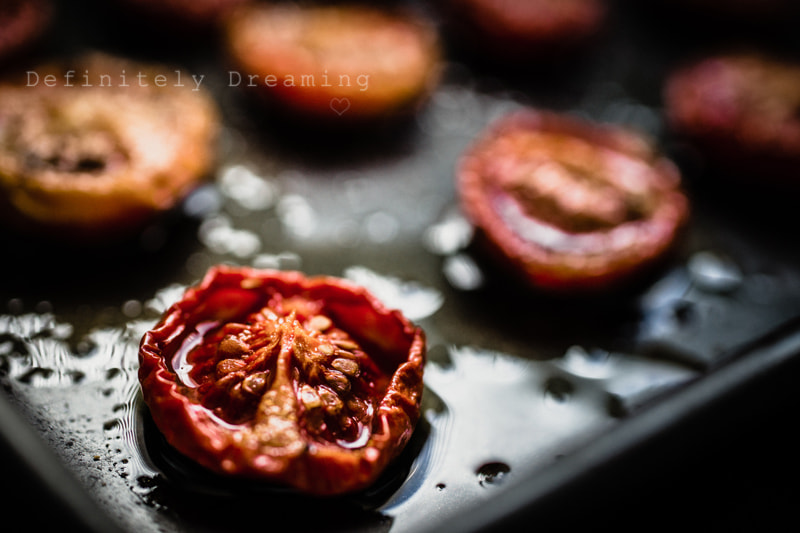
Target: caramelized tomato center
x,y
243,371
568,183
43,138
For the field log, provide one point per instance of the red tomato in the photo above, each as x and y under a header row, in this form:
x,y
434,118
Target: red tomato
x,y
511,30
21,23
742,111
95,162
337,62
567,204
196,13
305,382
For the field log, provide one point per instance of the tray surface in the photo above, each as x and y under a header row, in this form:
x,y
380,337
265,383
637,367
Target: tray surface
x,y
516,384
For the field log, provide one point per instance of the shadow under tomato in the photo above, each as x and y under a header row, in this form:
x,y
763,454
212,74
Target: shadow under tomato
x,y
336,141
210,500
48,267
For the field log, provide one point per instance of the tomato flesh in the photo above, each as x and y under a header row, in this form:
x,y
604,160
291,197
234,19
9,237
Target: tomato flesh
x,y
569,205
742,111
98,162
306,382
349,62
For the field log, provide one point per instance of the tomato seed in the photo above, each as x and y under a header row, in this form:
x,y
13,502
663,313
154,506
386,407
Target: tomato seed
x,y
347,344
326,349
226,366
319,323
337,381
232,346
309,397
255,383
330,401
346,366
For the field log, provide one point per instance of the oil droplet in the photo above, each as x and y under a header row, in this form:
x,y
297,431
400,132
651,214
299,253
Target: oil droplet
x,y
202,202
592,364
558,390
280,261
218,235
683,311
15,306
132,308
462,272
247,188
297,216
44,307
714,273
448,236
415,300
492,473
381,227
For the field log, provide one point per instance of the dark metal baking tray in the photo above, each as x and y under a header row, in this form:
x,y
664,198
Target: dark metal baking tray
x,y
536,408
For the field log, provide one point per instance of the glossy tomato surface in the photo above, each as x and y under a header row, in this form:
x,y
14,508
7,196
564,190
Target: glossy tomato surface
x,y
341,62
567,204
742,111
89,152
307,382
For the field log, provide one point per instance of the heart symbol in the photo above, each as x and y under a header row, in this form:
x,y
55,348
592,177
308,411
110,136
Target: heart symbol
x,y
340,105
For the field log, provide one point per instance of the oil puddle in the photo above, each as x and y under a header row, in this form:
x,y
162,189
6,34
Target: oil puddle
x,y
476,399
486,415
702,312
415,300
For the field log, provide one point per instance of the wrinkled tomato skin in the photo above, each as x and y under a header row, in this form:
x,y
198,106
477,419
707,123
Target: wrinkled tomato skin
x,y
310,462
22,22
548,198
88,163
742,113
334,64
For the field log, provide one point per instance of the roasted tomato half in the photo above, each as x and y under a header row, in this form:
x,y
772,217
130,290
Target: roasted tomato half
x,y
308,382
510,30
94,149
742,111
340,62
568,204
22,22
195,13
